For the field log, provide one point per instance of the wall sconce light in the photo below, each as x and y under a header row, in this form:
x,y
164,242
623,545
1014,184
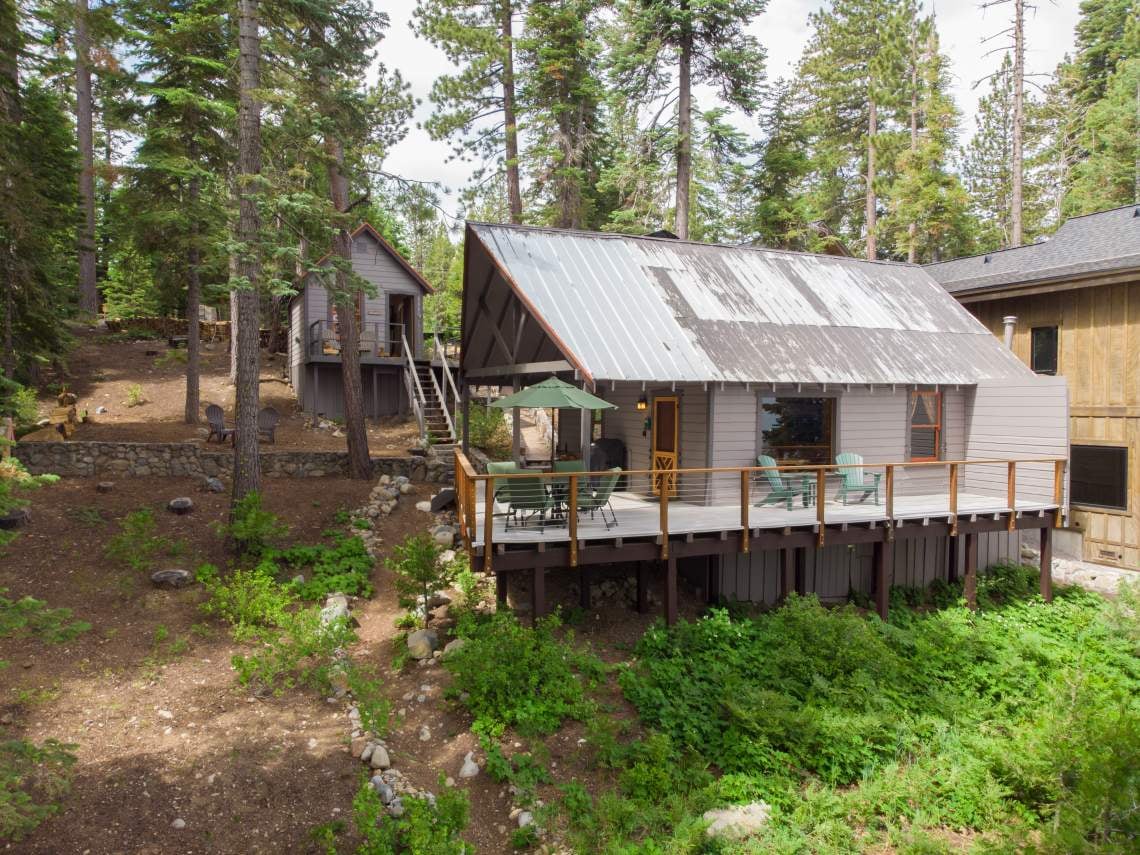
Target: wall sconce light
x,y
642,404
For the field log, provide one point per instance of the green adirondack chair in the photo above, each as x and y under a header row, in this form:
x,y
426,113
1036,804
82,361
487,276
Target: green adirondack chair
x,y
854,479
782,491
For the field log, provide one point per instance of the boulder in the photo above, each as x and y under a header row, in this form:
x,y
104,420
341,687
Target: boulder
x,y
453,645
422,643
424,506
443,500
470,768
213,485
336,606
737,822
105,487
379,757
444,535
181,505
171,578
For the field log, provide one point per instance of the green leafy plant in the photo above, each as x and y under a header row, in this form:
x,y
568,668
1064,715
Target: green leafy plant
x,y
32,779
488,431
419,572
250,599
300,650
514,676
172,358
138,543
345,566
424,828
18,402
135,396
252,529
29,617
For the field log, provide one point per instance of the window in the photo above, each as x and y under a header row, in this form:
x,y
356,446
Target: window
x,y
797,430
1043,359
925,425
1099,476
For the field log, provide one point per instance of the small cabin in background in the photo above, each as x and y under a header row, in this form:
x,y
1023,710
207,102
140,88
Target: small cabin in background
x,y
392,343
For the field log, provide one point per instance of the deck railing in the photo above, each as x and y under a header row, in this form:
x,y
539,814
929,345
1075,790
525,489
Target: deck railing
x,y
812,496
324,341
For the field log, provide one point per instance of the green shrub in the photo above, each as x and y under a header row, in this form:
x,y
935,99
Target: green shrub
x,y
488,431
419,572
29,617
138,543
250,599
32,778
346,567
172,358
300,650
514,676
19,402
253,530
135,396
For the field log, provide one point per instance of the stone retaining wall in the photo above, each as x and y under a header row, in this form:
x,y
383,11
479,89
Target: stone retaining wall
x,y
84,459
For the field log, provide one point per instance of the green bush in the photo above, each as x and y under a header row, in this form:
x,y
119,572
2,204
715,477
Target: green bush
x,y
253,530
32,778
299,650
29,617
138,543
19,402
488,431
419,572
346,567
250,599
518,677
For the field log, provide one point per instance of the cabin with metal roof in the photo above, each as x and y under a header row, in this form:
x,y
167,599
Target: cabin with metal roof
x,y
1069,306
719,356
396,356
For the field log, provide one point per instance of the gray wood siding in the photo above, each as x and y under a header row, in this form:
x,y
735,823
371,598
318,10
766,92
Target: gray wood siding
x,y
297,343
1025,418
732,426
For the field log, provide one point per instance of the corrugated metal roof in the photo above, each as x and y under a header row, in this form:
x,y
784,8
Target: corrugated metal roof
x,y
1094,243
656,309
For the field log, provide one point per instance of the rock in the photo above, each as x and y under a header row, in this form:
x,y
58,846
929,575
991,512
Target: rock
x,y
406,488
312,743
470,768
178,824
214,485
422,643
299,579
105,487
366,752
424,506
447,556
737,822
181,505
383,790
385,479
166,714
336,606
526,818
379,758
358,746
444,535
442,500
453,645
100,411
439,598
425,733
171,578
396,807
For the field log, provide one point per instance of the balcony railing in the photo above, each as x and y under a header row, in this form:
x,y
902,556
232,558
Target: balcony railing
x,y
534,507
324,341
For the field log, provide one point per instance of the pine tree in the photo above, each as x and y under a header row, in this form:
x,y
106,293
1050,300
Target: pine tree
x,y
477,106
85,238
1109,174
703,43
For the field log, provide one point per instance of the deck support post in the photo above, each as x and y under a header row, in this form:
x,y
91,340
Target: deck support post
x,y
970,588
642,587
465,402
712,585
584,574
883,553
1047,563
801,570
538,594
501,588
952,557
787,573
670,591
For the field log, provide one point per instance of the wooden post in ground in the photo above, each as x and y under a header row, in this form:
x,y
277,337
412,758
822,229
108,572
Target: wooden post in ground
x,y
882,563
970,590
801,570
584,586
952,558
538,594
1047,563
670,591
643,587
501,588
787,573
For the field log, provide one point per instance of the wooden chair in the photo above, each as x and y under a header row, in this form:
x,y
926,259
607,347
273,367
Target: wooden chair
x,y
853,479
267,420
216,417
781,490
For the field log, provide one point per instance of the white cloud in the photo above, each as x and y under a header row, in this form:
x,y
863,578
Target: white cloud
x,y
782,29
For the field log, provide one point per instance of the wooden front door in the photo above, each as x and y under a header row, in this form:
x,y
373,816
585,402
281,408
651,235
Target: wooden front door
x,y
666,440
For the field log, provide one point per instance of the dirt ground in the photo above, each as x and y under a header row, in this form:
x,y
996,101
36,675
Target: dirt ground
x,y
164,731
100,370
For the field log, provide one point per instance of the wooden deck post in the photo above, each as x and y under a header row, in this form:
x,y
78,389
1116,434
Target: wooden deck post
x,y
643,587
465,406
1011,487
820,500
663,494
501,588
787,573
488,522
970,588
584,575
572,519
1058,491
670,591
1047,564
952,558
883,552
538,594
801,570
953,499
744,500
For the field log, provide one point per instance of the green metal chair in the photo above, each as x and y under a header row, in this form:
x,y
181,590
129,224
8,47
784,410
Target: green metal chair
x,y
508,467
525,497
782,491
597,497
853,479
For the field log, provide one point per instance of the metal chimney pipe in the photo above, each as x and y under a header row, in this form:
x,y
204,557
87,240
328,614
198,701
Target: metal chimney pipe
x,y
1010,324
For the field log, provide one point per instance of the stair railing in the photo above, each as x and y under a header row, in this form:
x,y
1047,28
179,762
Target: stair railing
x,y
449,382
415,390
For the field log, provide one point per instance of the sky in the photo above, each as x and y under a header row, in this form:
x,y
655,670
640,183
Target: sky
x,y
782,29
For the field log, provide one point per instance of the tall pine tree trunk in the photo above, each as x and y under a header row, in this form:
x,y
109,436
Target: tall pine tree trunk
x,y
193,299
510,120
359,464
88,293
10,117
1015,199
912,228
247,463
684,135
871,202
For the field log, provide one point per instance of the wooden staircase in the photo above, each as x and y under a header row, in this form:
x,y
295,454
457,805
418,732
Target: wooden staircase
x,y
437,421
433,399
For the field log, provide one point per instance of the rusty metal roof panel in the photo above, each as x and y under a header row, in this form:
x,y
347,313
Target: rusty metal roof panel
x,y
659,309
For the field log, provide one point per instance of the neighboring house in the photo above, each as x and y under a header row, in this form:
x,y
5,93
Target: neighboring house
x,y
1070,307
395,355
715,355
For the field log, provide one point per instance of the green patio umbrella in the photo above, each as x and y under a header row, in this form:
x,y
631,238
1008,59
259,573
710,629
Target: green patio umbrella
x,y
553,394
